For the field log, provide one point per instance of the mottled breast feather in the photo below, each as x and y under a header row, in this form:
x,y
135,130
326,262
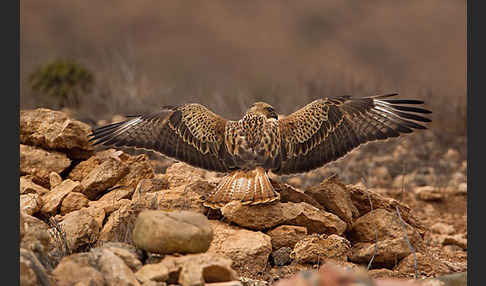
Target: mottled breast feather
x,y
190,133
327,129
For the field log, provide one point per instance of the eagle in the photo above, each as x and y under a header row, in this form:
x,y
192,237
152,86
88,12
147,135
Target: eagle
x,y
246,150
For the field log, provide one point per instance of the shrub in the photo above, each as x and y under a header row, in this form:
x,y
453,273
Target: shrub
x,y
64,80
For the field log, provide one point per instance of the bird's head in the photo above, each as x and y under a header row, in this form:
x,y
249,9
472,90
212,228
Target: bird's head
x,y
264,109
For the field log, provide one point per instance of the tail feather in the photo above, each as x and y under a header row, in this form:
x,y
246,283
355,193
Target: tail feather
x,y
249,187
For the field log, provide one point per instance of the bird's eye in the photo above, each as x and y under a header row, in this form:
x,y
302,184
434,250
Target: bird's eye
x,y
270,109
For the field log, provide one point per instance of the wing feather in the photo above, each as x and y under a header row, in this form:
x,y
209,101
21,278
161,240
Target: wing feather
x,y
328,128
190,133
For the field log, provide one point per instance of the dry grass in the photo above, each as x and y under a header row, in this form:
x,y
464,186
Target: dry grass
x,y
228,54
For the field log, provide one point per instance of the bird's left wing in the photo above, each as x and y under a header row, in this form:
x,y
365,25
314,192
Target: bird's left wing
x,y
190,133
327,129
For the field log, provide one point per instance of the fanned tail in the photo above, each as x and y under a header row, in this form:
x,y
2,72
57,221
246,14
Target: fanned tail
x,y
249,187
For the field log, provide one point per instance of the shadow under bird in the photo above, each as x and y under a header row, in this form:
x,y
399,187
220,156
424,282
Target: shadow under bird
x,y
320,132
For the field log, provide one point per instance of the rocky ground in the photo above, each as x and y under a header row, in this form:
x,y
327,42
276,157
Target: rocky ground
x,y
391,210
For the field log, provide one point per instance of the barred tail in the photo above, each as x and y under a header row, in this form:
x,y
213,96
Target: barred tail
x,y
249,187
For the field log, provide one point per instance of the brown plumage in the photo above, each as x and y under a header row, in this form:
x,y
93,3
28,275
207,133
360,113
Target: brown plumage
x,y
320,132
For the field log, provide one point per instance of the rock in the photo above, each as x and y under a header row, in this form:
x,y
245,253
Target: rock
x,y
52,200
51,129
200,269
335,197
319,248
442,228
119,225
78,269
82,169
72,202
157,272
179,174
35,236
128,253
29,187
32,272
461,189
54,179
139,169
170,232
286,235
249,250
104,176
114,270
366,200
158,183
182,198
429,193
281,256
291,194
40,163
329,274
82,227
427,265
191,269
458,240
261,217
381,224
114,199
30,203
386,254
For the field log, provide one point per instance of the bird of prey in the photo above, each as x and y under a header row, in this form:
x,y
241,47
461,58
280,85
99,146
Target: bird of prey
x,y
320,132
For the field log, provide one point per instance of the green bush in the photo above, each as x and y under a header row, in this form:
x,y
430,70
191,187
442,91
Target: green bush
x,y
64,80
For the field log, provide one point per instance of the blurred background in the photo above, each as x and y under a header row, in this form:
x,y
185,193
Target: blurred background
x,y
129,57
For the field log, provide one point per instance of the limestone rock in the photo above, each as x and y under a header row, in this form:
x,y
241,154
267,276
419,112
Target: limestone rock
x,y
139,169
51,129
72,202
79,268
104,176
169,232
381,224
335,197
32,272
199,269
128,253
281,256
29,187
366,200
249,250
182,174
286,235
429,193
442,228
35,235
261,217
113,200
40,163
82,227
54,179
114,270
52,200
291,194
319,248
427,265
182,197
387,253
30,203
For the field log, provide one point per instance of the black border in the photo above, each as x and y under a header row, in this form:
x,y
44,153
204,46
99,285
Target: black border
x,y
11,94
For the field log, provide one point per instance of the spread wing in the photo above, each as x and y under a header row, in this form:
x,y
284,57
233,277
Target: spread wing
x,y
326,129
190,133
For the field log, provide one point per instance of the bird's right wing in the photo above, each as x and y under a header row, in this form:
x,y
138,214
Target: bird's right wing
x,y
190,133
